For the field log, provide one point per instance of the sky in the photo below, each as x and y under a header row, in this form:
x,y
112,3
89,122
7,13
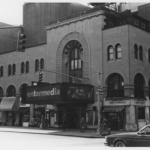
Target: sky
x,y
11,11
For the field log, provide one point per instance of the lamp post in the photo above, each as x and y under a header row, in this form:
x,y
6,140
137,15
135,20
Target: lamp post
x,y
99,90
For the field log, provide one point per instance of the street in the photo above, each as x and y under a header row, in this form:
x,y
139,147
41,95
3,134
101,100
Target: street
x,y
17,141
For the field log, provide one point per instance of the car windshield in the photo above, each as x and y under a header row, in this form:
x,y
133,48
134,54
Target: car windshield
x,y
145,130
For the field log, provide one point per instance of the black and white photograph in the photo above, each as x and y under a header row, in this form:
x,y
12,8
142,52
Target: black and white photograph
x,y
74,75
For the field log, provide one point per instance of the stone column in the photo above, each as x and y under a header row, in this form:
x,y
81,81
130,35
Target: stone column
x,y
31,110
130,119
129,90
147,119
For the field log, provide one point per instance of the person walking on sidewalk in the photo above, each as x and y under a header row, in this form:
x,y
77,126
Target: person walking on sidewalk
x,y
82,124
43,122
64,121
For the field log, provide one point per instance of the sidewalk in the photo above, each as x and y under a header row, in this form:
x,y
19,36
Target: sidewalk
x,y
89,133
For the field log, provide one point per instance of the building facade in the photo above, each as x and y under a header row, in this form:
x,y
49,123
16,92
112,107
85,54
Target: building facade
x,y
80,46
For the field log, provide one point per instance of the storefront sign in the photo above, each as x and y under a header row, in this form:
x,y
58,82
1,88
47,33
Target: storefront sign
x,y
140,102
116,102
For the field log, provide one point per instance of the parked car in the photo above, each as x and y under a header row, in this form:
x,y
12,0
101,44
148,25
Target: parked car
x,y
132,139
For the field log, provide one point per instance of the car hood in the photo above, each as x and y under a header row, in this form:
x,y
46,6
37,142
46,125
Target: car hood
x,y
122,135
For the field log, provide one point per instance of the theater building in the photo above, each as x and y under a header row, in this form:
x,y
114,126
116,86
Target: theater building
x,y
73,50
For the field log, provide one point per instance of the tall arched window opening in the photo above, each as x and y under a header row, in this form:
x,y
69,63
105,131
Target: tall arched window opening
x,y
14,69
141,53
118,52
11,91
36,65
138,88
9,70
115,86
22,67
110,51
27,67
136,51
42,63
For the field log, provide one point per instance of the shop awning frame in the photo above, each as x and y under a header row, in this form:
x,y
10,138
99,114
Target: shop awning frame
x,y
113,108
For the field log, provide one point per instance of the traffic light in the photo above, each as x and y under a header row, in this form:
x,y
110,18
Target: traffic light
x,y
21,42
40,77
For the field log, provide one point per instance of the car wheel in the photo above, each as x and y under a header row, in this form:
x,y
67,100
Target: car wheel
x,y
120,144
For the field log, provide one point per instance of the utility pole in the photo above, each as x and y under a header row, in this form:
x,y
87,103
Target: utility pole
x,y
99,90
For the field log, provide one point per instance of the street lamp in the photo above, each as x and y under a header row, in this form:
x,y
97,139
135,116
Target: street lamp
x,y
99,90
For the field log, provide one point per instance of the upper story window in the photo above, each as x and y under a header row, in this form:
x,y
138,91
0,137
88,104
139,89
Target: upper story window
x,y
9,70
136,51
27,67
13,69
110,53
149,55
141,53
136,22
1,71
118,51
115,86
22,67
42,63
143,26
36,65
11,91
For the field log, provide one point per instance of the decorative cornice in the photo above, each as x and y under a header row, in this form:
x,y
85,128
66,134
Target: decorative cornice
x,y
76,19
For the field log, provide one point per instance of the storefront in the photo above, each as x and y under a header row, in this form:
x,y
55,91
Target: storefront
x,y
60,98
8,111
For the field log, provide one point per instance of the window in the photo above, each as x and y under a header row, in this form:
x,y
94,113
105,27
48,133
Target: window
x,y
137,22
110,53
115,86
143,26
149,55
42,63
14,69
11,91
136,51
36,65
1,92
1,71
22,67
75,63
141,113
27,67
118,52
138,89
9,70
141,53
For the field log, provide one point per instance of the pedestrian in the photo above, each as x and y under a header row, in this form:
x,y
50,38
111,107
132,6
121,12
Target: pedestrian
x,y
46,123
82,124
43,122
64,121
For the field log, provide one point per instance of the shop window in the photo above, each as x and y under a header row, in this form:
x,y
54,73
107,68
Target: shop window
x,y
136,51
139,83
42,63
115,86
96,117
118,51
27,67
90,117
110,53
141,113
141,53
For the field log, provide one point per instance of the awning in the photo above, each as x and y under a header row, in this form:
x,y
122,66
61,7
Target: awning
x,y
9,104
113,108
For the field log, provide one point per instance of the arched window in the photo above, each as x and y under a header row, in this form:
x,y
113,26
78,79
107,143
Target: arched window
x,y
1,92
115,86
11,91
36,65
9,70
14,69
136,51
42,63
75,50
138,83
118,51
149,55
27,67
141,53
110,53
1,71
22,67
